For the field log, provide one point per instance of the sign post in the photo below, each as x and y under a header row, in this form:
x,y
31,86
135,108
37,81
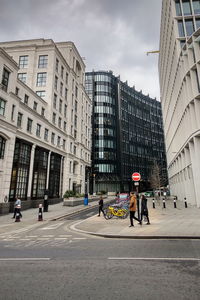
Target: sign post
x,y
136,178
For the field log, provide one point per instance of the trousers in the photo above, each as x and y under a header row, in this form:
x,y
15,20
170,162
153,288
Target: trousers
x,y
132,216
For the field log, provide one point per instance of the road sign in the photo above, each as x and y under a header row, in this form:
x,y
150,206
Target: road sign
x,y
136,183
136,176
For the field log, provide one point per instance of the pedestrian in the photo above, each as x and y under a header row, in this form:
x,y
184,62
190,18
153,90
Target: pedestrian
x,y
17,207
144,209
133,209
101,206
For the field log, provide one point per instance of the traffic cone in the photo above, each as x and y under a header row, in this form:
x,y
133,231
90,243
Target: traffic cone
x,y
40,215
17,217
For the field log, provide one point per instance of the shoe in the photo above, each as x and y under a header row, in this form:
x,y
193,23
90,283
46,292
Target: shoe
x,y
131,226
98,215
148,224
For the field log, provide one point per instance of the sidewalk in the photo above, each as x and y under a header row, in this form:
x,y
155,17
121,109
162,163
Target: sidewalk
x,y
170,222
55,212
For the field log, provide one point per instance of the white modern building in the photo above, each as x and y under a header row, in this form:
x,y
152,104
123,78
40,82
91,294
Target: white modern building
x,y
179,71
45,121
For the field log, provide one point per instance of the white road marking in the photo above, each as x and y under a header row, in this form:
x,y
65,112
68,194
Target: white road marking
x,y
61,238
51,227
42,239
47,236
156,258
25,259
65,235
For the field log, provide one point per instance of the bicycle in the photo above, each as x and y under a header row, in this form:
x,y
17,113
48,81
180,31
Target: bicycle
x,y
115,210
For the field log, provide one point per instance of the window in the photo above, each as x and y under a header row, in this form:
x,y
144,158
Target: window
x,y
58,141
54,118
13,112
196,6
19,119
42,62
42,111
2,107
38,130
55,101
26,99
53,138
62,71
23,61
35,105
186,7
41,79
60,106
22,77
189,27
64,126
65,111
2,147
46,134
59,122
16,91
64,144
41,94
180,28
61,88
5,78
66,78
29,125
178,8
66,94
76,91
56,83
197,23
57,64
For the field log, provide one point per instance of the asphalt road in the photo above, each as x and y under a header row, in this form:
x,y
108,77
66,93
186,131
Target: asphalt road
x,y
53,262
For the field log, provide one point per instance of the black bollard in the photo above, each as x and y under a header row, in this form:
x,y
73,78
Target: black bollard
x,y
154,204
174,202
40,216
164,206
185,203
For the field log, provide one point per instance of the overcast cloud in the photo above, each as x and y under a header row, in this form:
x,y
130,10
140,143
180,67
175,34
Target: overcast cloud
x,y
111,34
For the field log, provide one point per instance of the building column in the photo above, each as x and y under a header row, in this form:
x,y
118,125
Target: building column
x,y
31,171
48,170
61,193
194,181
197,169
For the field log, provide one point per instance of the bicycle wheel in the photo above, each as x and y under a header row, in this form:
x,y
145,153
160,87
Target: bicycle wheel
x,y
108,214
125,214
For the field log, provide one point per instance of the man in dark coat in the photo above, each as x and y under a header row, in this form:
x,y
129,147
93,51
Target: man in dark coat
x,y
101,206
144,209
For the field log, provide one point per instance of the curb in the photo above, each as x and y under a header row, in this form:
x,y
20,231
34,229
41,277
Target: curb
x,y
136,237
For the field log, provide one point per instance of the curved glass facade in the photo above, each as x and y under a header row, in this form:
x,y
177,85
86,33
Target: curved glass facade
x,y
127,133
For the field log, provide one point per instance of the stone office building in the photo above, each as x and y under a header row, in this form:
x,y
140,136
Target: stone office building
x,y
45,121
127,134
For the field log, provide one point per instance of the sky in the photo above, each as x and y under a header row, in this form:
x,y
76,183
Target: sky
x,y
110,34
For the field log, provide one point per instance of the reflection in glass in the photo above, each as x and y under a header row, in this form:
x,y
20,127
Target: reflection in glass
x,y
196,6
189,27
180,28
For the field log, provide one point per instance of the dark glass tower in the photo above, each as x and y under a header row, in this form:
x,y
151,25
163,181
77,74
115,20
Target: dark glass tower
x,y
127,134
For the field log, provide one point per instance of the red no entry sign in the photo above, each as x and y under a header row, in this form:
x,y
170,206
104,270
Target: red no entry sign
x,y
136,176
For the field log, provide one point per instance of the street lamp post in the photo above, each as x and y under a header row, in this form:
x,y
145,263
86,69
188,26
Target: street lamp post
x,y
94,185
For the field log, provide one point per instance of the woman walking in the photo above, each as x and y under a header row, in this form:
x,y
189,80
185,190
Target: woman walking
x,y
133,208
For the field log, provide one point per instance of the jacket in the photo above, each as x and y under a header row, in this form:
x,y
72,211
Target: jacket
x,y
133,203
